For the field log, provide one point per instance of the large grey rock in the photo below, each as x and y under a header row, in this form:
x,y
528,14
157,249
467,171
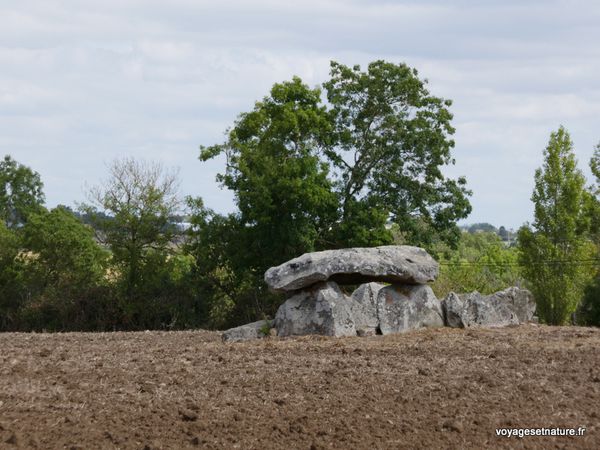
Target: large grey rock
x,y
519,301
393,263
322,309
509,307
456,313
402,308
254,330
364,308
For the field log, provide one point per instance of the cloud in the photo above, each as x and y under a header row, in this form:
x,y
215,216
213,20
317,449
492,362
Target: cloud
x,y
83,82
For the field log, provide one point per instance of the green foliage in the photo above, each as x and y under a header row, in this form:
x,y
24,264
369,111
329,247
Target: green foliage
x,y
281,188
480,263
589,312
9,274
593,198
390,141
551,254
20,192
165,297
153,284
60,266
233,292
64,254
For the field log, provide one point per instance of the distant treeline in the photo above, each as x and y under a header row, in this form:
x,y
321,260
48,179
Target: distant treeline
x,y
361,168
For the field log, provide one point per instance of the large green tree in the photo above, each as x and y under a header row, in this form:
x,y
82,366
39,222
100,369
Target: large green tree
x,y
309,175
554,252
391,139
20,192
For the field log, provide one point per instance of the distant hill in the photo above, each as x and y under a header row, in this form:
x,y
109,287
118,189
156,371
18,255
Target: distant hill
x,y
507,235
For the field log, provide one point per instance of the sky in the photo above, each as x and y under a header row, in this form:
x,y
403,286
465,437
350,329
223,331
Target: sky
x,y
85,82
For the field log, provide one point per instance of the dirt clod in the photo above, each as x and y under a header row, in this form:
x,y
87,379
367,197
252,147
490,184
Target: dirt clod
x,y
188,415
453,425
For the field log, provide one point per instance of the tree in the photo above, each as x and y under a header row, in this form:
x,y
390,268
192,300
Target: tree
x,y
390,140
64,253
590,307
553,254
20,192
61,265
140,198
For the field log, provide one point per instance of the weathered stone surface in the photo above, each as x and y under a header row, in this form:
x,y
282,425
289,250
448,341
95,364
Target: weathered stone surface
x,y
393,263
402,308
322,309
364,308
519,301
254,330
508,307
455,311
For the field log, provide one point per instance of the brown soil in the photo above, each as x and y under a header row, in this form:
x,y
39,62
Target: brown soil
x,y
428,389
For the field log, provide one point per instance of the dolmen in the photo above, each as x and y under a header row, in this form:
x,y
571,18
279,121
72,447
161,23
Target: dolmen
x,y
317,304
393,296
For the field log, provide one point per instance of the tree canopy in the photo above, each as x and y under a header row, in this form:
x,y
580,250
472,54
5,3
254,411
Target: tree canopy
x,y
554,252
390,140
21,192
139,199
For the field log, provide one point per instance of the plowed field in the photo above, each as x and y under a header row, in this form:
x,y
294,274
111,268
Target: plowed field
x,y
443,388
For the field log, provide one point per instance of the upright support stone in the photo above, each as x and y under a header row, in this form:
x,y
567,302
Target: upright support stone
x,y
404,308
364,308
322,309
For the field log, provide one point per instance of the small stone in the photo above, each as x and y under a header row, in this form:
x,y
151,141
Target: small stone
x,y
453,425
254,330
